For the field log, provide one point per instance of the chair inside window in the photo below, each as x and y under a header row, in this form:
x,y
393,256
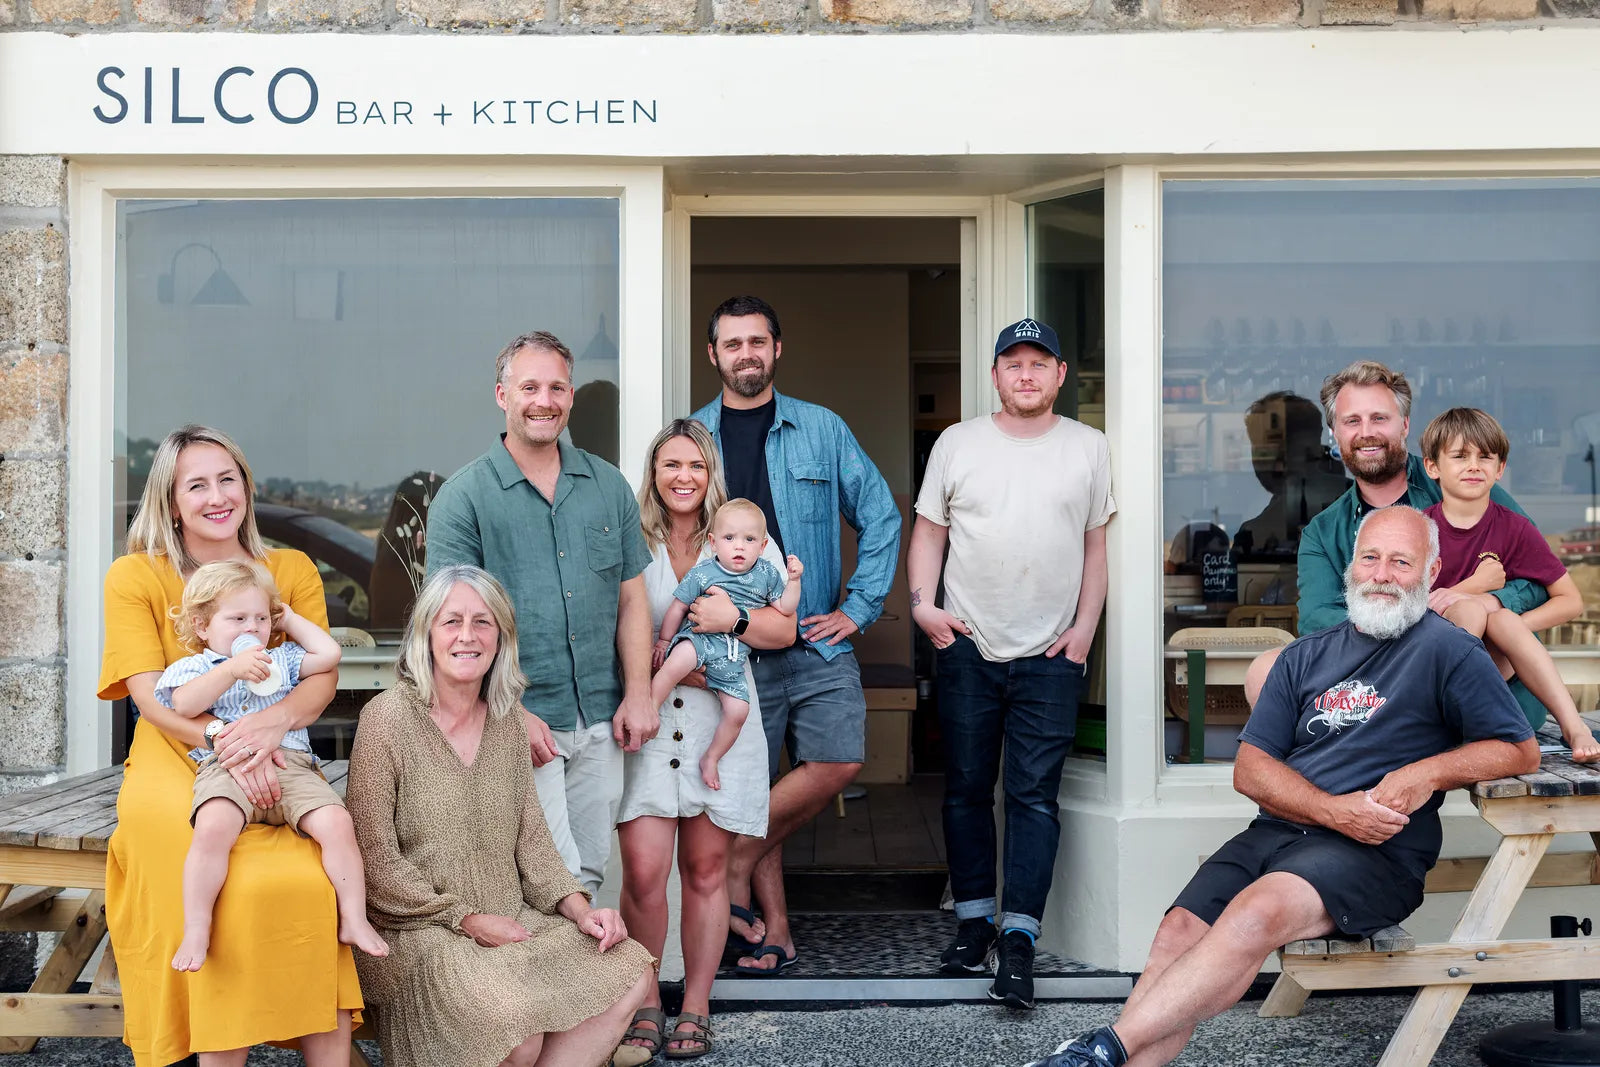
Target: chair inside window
x,y
1225,704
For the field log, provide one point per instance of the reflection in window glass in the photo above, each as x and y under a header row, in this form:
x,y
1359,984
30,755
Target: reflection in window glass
x,y
349,347
1067,273
1485,293
1068,252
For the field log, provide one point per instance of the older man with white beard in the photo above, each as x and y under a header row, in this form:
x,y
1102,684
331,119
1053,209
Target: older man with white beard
x,y
1359,731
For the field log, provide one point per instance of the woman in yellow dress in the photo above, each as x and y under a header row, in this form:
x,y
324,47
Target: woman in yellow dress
x,y
276,970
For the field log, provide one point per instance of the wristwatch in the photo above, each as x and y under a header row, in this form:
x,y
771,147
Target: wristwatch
x,y
213,728
743,624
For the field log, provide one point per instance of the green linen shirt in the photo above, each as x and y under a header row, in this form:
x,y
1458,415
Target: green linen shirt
x,y
562,562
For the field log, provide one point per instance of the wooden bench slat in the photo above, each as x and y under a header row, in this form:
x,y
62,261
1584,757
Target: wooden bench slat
x,y
25,831
1500,787
43,805
1389,939
1543,783
1585,779
40,793
1393,939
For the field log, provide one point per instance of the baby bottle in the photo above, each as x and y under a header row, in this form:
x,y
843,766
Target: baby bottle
x,y
274,679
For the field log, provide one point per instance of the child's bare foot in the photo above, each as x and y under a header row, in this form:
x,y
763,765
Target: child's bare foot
x,y
192,950
1585,749
364,936
708,772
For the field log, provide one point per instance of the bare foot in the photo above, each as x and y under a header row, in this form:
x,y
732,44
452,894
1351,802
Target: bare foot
x,y
363,936
1584,747
708,772
192,950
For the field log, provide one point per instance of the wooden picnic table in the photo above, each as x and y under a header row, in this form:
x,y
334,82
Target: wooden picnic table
x,y
53,842
1528,810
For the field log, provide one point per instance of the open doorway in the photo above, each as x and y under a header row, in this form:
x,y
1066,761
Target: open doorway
x,y
870,307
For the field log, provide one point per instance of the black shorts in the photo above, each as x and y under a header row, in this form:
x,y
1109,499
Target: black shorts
x,y
1363,889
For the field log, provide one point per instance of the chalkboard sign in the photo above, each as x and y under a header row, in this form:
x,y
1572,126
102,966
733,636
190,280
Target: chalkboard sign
x,y
1219,581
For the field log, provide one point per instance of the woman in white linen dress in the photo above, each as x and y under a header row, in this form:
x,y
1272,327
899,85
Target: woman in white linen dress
x,y
663,796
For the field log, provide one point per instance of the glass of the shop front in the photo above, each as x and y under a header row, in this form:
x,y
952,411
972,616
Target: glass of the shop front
x,y
348,346
1484,293
1067,280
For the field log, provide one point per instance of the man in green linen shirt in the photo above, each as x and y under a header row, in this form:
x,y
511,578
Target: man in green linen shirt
x,y
560,529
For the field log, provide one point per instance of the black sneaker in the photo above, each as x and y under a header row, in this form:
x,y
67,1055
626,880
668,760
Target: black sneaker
x,y
1013,970
969,952
1099,1048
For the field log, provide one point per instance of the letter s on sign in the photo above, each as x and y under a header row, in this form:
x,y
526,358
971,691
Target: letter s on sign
x,y
121,100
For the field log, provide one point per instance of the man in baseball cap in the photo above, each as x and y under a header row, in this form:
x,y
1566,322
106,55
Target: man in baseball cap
x,y
1027,332
1028,494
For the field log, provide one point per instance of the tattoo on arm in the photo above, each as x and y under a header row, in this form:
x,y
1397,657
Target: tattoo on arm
x,y
916,597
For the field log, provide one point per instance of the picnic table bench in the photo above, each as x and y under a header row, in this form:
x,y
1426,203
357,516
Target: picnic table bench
x,y
53,842
1528,811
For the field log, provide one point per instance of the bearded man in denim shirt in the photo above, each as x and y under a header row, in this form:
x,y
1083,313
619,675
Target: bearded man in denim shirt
x,y
801,464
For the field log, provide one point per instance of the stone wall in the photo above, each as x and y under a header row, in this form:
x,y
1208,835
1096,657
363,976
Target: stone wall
x,y
805,16
33,474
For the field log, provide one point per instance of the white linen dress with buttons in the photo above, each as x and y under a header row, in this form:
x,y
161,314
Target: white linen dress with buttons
x,y
663,777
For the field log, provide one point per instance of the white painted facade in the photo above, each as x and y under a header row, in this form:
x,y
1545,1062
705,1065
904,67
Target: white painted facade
x,y
975,127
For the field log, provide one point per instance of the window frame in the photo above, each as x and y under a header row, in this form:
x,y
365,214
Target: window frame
x,y
1209,787
94,189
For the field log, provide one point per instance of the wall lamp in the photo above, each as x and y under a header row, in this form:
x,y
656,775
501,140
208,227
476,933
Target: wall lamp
x,y
219,290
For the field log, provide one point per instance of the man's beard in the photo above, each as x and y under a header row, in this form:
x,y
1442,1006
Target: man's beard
x,y
1384,619
1381,469
750,380
1023,407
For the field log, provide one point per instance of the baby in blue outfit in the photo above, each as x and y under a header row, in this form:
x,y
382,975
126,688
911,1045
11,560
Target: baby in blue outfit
x,y
738,536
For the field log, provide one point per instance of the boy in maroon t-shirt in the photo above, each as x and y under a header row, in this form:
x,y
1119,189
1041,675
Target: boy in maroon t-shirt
x,y
1483,545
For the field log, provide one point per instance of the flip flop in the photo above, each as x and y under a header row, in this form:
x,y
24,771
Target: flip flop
x,y
785,959
737,942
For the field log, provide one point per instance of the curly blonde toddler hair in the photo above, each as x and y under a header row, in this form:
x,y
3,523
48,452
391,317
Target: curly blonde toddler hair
x,y
209,584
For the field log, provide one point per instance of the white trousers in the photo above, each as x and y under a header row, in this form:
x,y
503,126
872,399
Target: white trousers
x,y
580,791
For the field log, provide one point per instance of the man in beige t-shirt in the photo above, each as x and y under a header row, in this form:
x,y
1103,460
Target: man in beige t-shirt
x,y
1021,498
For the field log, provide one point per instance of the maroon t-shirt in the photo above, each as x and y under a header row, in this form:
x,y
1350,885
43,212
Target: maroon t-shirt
x,y
1513,539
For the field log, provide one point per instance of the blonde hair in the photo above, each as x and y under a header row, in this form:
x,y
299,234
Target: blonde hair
x,y
504,682
1473,426
740,506
652,512
209,584
1366,372
156,529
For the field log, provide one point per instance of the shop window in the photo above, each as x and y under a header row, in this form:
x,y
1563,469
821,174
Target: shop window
x,y
1067,259
348,345
1483,292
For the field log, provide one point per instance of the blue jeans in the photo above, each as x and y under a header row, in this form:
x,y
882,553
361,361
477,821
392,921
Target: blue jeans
x,y
1032,704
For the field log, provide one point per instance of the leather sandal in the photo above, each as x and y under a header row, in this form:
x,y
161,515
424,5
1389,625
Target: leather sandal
x,y
701,1039
627,1055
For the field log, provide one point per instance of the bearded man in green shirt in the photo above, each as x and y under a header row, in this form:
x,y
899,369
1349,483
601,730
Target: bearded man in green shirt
x,y
1368,409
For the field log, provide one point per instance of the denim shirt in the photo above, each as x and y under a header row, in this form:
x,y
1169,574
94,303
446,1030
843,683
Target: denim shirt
x,y
818,471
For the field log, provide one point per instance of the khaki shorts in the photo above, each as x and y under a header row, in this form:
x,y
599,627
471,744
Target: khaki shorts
x,y
304,790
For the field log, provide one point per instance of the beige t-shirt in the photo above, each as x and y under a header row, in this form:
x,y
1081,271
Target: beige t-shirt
x,y
1017,509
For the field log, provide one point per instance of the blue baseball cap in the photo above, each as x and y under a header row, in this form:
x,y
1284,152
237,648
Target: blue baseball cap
x,y
1028,332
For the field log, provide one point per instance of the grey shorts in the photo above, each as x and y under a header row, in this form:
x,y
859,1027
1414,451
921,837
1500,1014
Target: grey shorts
x,y
814,705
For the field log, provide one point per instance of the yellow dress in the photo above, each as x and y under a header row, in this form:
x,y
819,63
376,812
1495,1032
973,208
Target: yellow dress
x,y
275,970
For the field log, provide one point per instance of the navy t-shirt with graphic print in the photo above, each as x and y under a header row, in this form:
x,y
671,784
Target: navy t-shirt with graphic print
x,y
1344,709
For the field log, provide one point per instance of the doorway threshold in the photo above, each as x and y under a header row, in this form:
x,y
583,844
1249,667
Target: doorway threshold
x,y
930,988
870,957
